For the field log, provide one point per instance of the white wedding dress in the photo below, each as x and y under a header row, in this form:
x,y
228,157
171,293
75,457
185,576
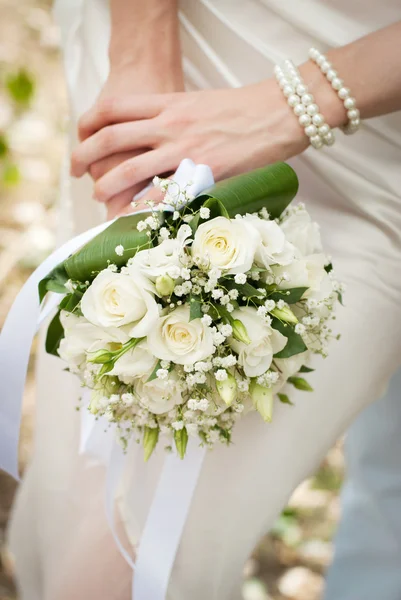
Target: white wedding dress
x,y
353,191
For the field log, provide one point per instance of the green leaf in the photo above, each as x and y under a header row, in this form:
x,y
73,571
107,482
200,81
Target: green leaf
x,y
273,187
300,384
244,289
53,282
4,149
69,302
195,308
294,295
21,86
181,441
285,399
99,252
11,175
295,344
153,375
150,439
305,369
54,335
340,298
328,268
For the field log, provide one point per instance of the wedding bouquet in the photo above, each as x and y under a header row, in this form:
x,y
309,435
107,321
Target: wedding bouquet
x,y
183,318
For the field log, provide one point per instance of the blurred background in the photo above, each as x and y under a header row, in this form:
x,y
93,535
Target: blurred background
x,y
289,563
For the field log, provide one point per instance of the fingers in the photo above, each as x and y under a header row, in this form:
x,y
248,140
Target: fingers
x,y
112,140
134,171
108,111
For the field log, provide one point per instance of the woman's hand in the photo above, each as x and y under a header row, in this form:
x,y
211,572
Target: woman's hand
x,y
231,130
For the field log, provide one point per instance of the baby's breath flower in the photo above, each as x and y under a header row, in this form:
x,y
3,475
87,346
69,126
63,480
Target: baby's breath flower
x,y
221,375
226,330
119,250
176,215
230,307
240,278
177,425
217,293
269,305
204,212
185,273
233,294
164,233
162,373
280,304
207,320
300,328
224,300
243,385
141,226
203,404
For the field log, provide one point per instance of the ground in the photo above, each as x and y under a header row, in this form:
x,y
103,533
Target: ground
x,y
290,562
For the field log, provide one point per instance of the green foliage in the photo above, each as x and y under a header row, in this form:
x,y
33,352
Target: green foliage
x,y
11,175
21,87
53,282
285,399
54,335
4,149
295,343
272,187
153,374
305,369
290,296
195,308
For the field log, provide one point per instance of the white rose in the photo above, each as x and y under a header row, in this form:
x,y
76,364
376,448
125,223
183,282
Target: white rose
x,y
175,338
228,244
138,362
81,337
273,247
256,357
301,231
305,271
159,395
157,261
116,299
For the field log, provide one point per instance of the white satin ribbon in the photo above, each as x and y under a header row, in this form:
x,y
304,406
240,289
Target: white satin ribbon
x,y
170,506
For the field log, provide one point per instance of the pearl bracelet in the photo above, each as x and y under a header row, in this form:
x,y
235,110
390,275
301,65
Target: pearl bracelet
x,y
344,93
302,102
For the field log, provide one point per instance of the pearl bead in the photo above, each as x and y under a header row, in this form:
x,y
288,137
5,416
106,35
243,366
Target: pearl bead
x,y
288,90
331,74
301,89
299,110
316,142
337,83
355,123
307,99
282,81
318,119
353,114
311,130
329,139
296,81
325,66
343,93
277,70
324,129
313,53
305,120
349,103
320,59
293,100
312,109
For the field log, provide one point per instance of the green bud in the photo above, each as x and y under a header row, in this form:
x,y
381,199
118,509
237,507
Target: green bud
x,y
300,384
106,368
227,389
101,357
181,441
150,439
262,398
239,331
284,314
164,285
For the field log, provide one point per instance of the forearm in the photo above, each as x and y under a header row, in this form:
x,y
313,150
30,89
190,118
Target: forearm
x,y
145,40
370,67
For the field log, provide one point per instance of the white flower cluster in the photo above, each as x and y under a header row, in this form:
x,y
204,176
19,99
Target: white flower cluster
x,y
181,341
